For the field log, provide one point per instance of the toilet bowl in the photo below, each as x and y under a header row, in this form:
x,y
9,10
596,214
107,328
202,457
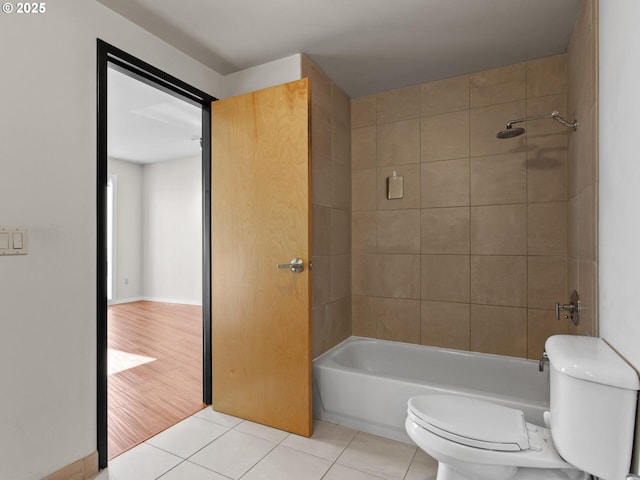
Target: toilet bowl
x,y
477,440
588,430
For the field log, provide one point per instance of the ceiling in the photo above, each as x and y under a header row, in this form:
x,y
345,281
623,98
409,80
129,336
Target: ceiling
x,y
147,125
365,46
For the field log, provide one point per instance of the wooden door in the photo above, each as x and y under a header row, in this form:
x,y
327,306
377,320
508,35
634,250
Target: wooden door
x,y
261,217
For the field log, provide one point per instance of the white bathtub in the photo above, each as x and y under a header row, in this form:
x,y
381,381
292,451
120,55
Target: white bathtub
x,y
365,384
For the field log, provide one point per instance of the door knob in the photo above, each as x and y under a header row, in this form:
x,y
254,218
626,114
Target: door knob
x,y
295,265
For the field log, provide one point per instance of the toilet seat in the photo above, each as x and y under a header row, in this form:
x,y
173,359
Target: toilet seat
x,y
470,421
540,454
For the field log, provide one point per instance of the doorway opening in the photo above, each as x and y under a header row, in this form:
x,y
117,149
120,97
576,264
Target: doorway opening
x,y
153,298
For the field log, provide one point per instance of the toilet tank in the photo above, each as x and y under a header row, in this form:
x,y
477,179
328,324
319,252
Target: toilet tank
x,y
593,405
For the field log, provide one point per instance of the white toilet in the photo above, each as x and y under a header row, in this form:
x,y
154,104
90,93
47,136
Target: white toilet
x,y
589,429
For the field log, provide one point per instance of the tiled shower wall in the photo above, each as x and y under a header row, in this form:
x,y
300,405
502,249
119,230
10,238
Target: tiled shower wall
x,y
475,254
583,166
331,210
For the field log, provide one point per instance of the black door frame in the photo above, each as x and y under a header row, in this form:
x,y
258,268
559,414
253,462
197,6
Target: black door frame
x,y
108,55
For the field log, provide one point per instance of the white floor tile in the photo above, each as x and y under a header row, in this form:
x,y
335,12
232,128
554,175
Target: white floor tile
x,y
328,440
423,467
187,437
143,462
340,472
262,431
191,471
378,456
233,453
288,464
223,419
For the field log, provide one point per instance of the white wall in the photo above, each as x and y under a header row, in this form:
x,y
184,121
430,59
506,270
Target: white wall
x,y
127,257
48,184
619,227
172,233
262,76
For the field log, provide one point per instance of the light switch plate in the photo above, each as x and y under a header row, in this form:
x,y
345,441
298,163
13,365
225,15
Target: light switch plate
x,y
13,241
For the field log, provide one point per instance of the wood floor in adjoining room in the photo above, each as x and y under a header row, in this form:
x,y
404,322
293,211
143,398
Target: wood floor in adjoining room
x,y
155,370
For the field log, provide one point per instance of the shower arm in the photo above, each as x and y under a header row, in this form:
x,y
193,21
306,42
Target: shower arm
x,y
555,115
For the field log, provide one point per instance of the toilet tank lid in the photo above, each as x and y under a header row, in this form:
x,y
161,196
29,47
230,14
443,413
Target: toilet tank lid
x,y
590,359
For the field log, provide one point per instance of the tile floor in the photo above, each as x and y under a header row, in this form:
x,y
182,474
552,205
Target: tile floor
x,y
214,446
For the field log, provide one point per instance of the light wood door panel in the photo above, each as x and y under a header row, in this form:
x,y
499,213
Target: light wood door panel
x,y
261,315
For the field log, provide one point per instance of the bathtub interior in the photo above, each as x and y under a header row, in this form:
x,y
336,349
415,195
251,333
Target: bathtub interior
x,y
365,384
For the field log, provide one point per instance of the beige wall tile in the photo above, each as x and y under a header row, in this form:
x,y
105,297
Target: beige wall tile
x,y
582,58
320,87
499,230
546,172
497,179
547,76
573,217
338,319
320,130
398,231
547,228
499,280
547,282
363,232
499,85
546,130
584,149
363,189
340,277
322,275
363,275
445,136
445,230
398,319
318,330
341,143
444,96
588,291
341,232
363,316
445,278
486,122
399,142
363,147
398,276
572,277
340,186
411,181
322,231
445,325
305,66
363,111
445,184
541,324
321,179
400,104
340,106
499,330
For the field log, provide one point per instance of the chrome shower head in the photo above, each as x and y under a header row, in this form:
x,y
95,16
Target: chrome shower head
x,y
510,132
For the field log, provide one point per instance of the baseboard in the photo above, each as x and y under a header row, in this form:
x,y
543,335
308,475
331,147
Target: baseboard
x,y
180,301
125,300
83,469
